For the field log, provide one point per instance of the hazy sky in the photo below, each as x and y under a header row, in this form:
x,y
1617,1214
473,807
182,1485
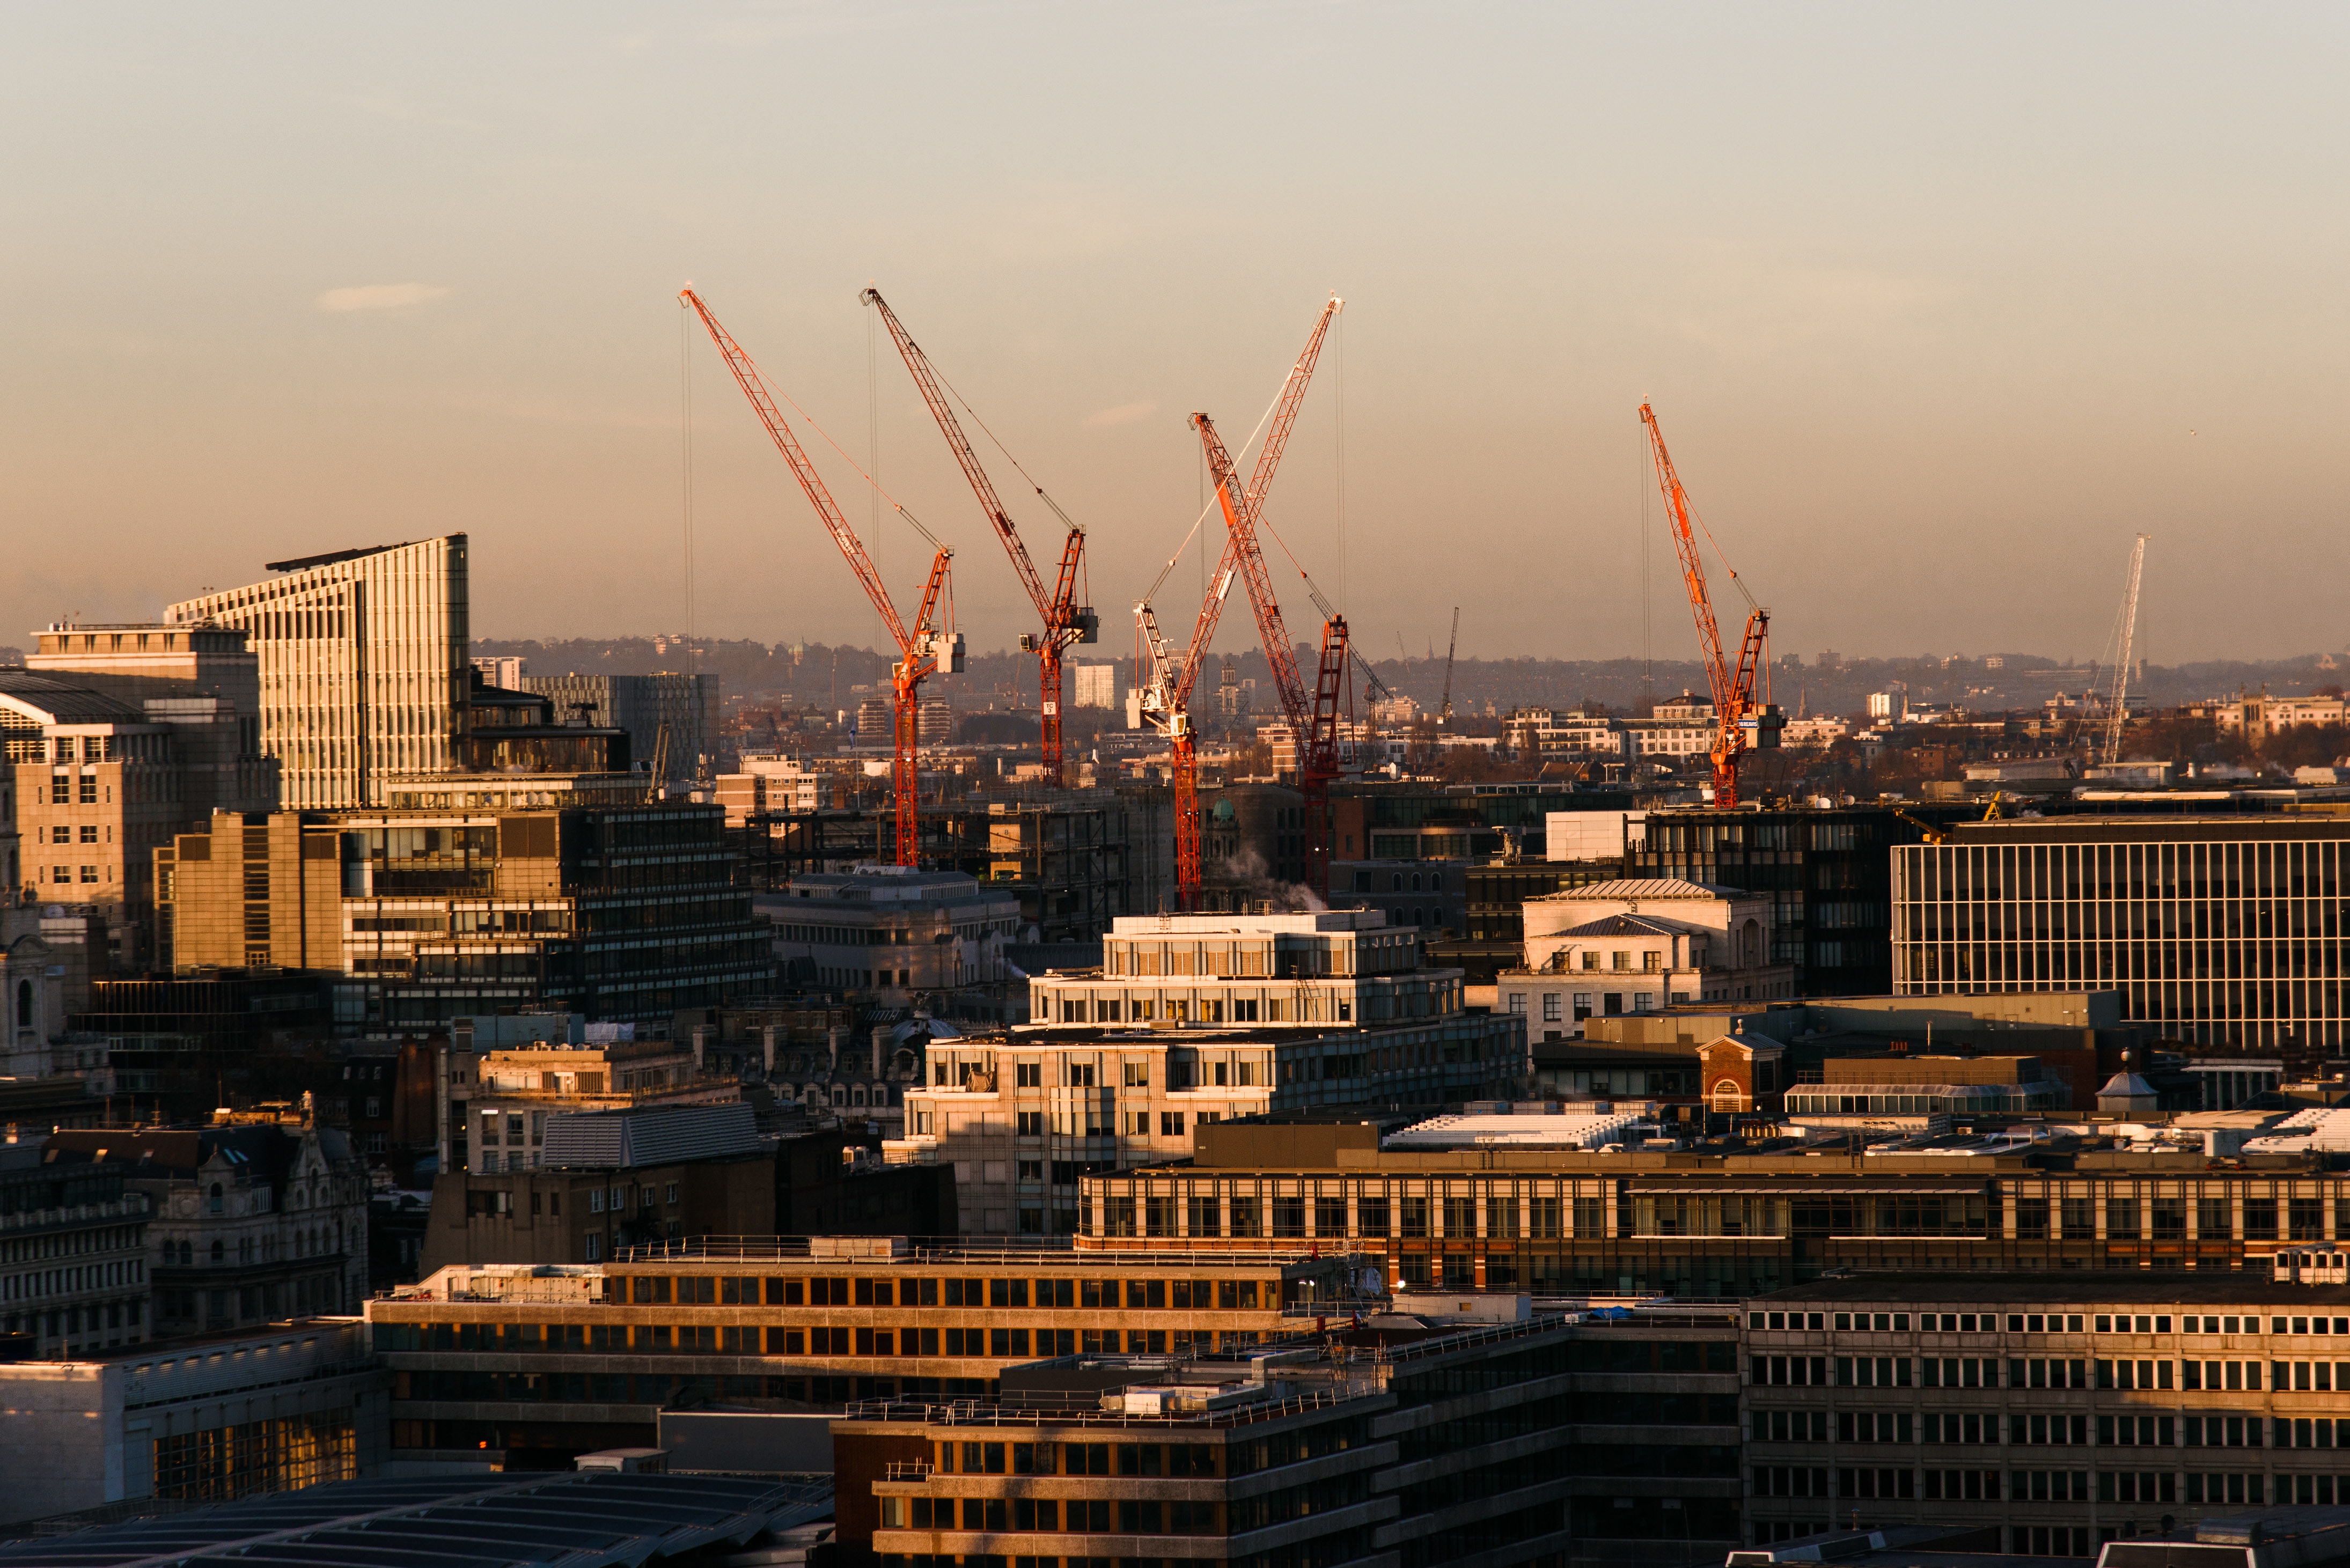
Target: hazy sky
x,y
1939,307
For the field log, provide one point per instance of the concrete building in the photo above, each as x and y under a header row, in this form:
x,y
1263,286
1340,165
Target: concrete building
x,y
362,664
1436,1444
619,911
2067,1411
2214,930
771,783
1193,1020
641,705
194,1420
246,1222
1630,946
73,1253
1729,1218
497,1098
543,1363
893,930
97,783
1095,686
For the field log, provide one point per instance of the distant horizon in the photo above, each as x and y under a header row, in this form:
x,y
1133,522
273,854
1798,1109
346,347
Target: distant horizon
x,y
1938,308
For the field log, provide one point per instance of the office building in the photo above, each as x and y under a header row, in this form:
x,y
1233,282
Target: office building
x,y
1826,872
2067,1410
363,665
497,1099
618,1509
1609,948
619,910
895,929
1425,1449
641,705
1094,686
571,1358
1192,1020
73,1253
1546,1205
246,1222
191,1420
2215,931
773,783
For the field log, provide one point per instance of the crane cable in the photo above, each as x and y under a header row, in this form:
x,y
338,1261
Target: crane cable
x,y
895,503
1161,580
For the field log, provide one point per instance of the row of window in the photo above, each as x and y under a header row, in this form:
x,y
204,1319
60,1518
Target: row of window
x,y
2041,1430
2041,1322
1973,1372
930,1291
717,1339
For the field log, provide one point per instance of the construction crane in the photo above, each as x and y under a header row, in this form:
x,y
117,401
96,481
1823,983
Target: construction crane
x,y
2118,707
1065,621
924,651
1444,714
1931,834
1740,722
1163,699
657,782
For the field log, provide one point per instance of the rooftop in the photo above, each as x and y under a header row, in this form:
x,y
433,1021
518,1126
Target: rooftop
x,y
1618,926
1332,920
303,563
48,700
1634,889
2180,1287
584,1520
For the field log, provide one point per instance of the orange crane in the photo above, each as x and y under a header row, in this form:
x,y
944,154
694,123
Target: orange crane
x,y
1163,697
924,651
1065,620
1740,722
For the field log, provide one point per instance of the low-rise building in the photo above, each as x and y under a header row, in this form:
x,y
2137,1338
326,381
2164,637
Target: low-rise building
x,y
554,1360
1436,1443
2065,1410
73,1253
194,1420
247,1221
1193,1020
895,929
1641,946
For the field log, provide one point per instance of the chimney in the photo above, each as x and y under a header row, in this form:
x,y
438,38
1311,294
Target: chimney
x,y
700,1044
835,1038
881,1049
767,1048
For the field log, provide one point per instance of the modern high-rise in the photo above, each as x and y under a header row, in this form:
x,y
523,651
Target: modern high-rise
x,y
363,665
641,704
2218,931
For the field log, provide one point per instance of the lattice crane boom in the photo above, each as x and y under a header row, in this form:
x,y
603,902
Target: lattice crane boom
x,y
919,651
1733,687
1065,621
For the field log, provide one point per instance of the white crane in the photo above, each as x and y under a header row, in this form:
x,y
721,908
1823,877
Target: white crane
x,y
2116,710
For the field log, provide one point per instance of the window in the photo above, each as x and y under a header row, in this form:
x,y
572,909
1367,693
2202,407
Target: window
x,y
1030,1123
1550,1007
1518,1002
1591,961
670,1196
1028,1075
1170,1124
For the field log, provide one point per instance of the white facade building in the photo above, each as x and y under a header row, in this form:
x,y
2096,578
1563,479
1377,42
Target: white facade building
x,y
1192,1019
894,928
1640,946
1096,686
363,665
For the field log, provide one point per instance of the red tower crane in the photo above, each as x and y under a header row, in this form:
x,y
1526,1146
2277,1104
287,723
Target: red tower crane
x,y
1740,722
923,651
1065,620
1163,697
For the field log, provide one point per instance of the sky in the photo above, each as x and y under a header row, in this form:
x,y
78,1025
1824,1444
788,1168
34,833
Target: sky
x,y
1938,307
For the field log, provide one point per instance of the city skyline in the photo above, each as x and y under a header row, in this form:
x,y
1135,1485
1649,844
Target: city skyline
x,y
1937,311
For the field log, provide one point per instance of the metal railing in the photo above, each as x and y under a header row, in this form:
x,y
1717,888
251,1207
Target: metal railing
x,y
965,1249
908,1469
969,1414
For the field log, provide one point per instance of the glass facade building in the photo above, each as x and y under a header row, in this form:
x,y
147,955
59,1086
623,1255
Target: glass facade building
x,y
363,668
2215,931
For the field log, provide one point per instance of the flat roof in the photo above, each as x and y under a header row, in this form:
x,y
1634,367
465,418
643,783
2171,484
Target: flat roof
x,y
2184,1287
302,563
459,1521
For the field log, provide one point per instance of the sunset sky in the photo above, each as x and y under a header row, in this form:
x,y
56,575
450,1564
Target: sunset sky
x,y
1939,305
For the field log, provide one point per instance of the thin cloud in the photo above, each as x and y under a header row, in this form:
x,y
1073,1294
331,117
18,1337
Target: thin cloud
x,y
1124,414
382,297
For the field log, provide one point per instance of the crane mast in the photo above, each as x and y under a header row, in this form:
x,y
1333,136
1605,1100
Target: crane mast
x,y
2117,710
1444,713
1065,621
1736,711
922,651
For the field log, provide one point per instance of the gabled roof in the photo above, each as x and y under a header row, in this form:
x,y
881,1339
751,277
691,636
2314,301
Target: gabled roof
x,y
1628,888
